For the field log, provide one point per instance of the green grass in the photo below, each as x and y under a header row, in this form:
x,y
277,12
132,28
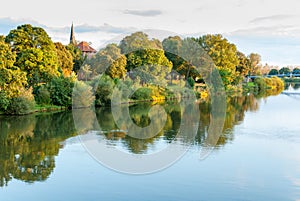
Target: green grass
x,y
42,108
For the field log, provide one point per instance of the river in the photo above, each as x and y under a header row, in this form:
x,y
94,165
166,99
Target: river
x,y
257,157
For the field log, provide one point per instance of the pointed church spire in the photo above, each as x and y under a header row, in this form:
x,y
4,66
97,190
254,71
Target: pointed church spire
x,y
72,36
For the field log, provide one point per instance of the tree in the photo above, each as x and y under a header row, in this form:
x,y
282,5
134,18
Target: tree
x,y
61,90
223,54
65,59
36,53
143,52
273,72
255,63
243,68
285,71
78,58
174,44
138,40
109,60
38,65
296,71
12,79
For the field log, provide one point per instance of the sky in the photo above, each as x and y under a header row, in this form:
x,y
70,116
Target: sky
x,y
270,28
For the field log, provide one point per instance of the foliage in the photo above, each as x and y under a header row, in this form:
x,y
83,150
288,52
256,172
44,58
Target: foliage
x,y
223,54
78,58
273,83
65,59
255,63
12,80
109,60
191,82
36,53
103,90
243,67
22,104
42,95
273,72
144,93
61,89
138,41
285,71
4,101
296,71
173,46
261,84
40,66
82,95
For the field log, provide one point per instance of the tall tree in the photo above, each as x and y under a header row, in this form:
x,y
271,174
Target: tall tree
x,y
109,60
143,52
12,79
285,70
223,53
78,58
255,63
35,51
138,40
65,59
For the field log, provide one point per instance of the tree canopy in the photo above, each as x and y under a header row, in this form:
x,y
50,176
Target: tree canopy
x,y
223,54
36,53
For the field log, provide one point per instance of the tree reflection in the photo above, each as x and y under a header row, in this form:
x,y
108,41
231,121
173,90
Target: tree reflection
x,y
28,145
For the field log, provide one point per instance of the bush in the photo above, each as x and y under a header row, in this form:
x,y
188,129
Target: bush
x,y
22,104
104,90
4,101
260,83
82,95
142,94
42,96
61,90
191,82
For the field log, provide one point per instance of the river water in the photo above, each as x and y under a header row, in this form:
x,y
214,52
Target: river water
x,y
257,157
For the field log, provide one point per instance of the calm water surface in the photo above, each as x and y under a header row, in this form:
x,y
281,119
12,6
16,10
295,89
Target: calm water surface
x,y
256,158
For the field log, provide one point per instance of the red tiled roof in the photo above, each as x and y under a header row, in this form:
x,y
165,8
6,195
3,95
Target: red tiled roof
x,y
85,47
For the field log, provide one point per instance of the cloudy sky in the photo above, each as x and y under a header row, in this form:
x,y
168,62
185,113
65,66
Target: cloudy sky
x,y
270,28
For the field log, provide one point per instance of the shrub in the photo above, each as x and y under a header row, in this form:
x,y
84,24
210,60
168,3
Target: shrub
x,y
61,89
22,104
82,95
104,90
260,83
142,94
42,96
4,101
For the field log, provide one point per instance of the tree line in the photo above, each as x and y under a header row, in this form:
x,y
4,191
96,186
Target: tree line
x,y
34,70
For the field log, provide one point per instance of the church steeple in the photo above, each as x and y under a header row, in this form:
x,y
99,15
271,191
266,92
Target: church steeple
x,y
72,36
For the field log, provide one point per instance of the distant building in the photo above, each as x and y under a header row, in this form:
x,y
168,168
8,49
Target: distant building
x,y
85,47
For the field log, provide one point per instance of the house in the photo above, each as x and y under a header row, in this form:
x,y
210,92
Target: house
x,y
85,47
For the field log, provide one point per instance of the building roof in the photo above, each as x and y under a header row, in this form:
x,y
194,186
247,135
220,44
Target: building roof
x,y
85,47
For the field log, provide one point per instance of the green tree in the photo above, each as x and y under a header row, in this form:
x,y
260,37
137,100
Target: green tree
x,y
175,44
296,71
12,79
285,71
244,65
223,54
61,90
36,53
78,58
138,40
65,59
273,72
109,60
143,52
38,65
